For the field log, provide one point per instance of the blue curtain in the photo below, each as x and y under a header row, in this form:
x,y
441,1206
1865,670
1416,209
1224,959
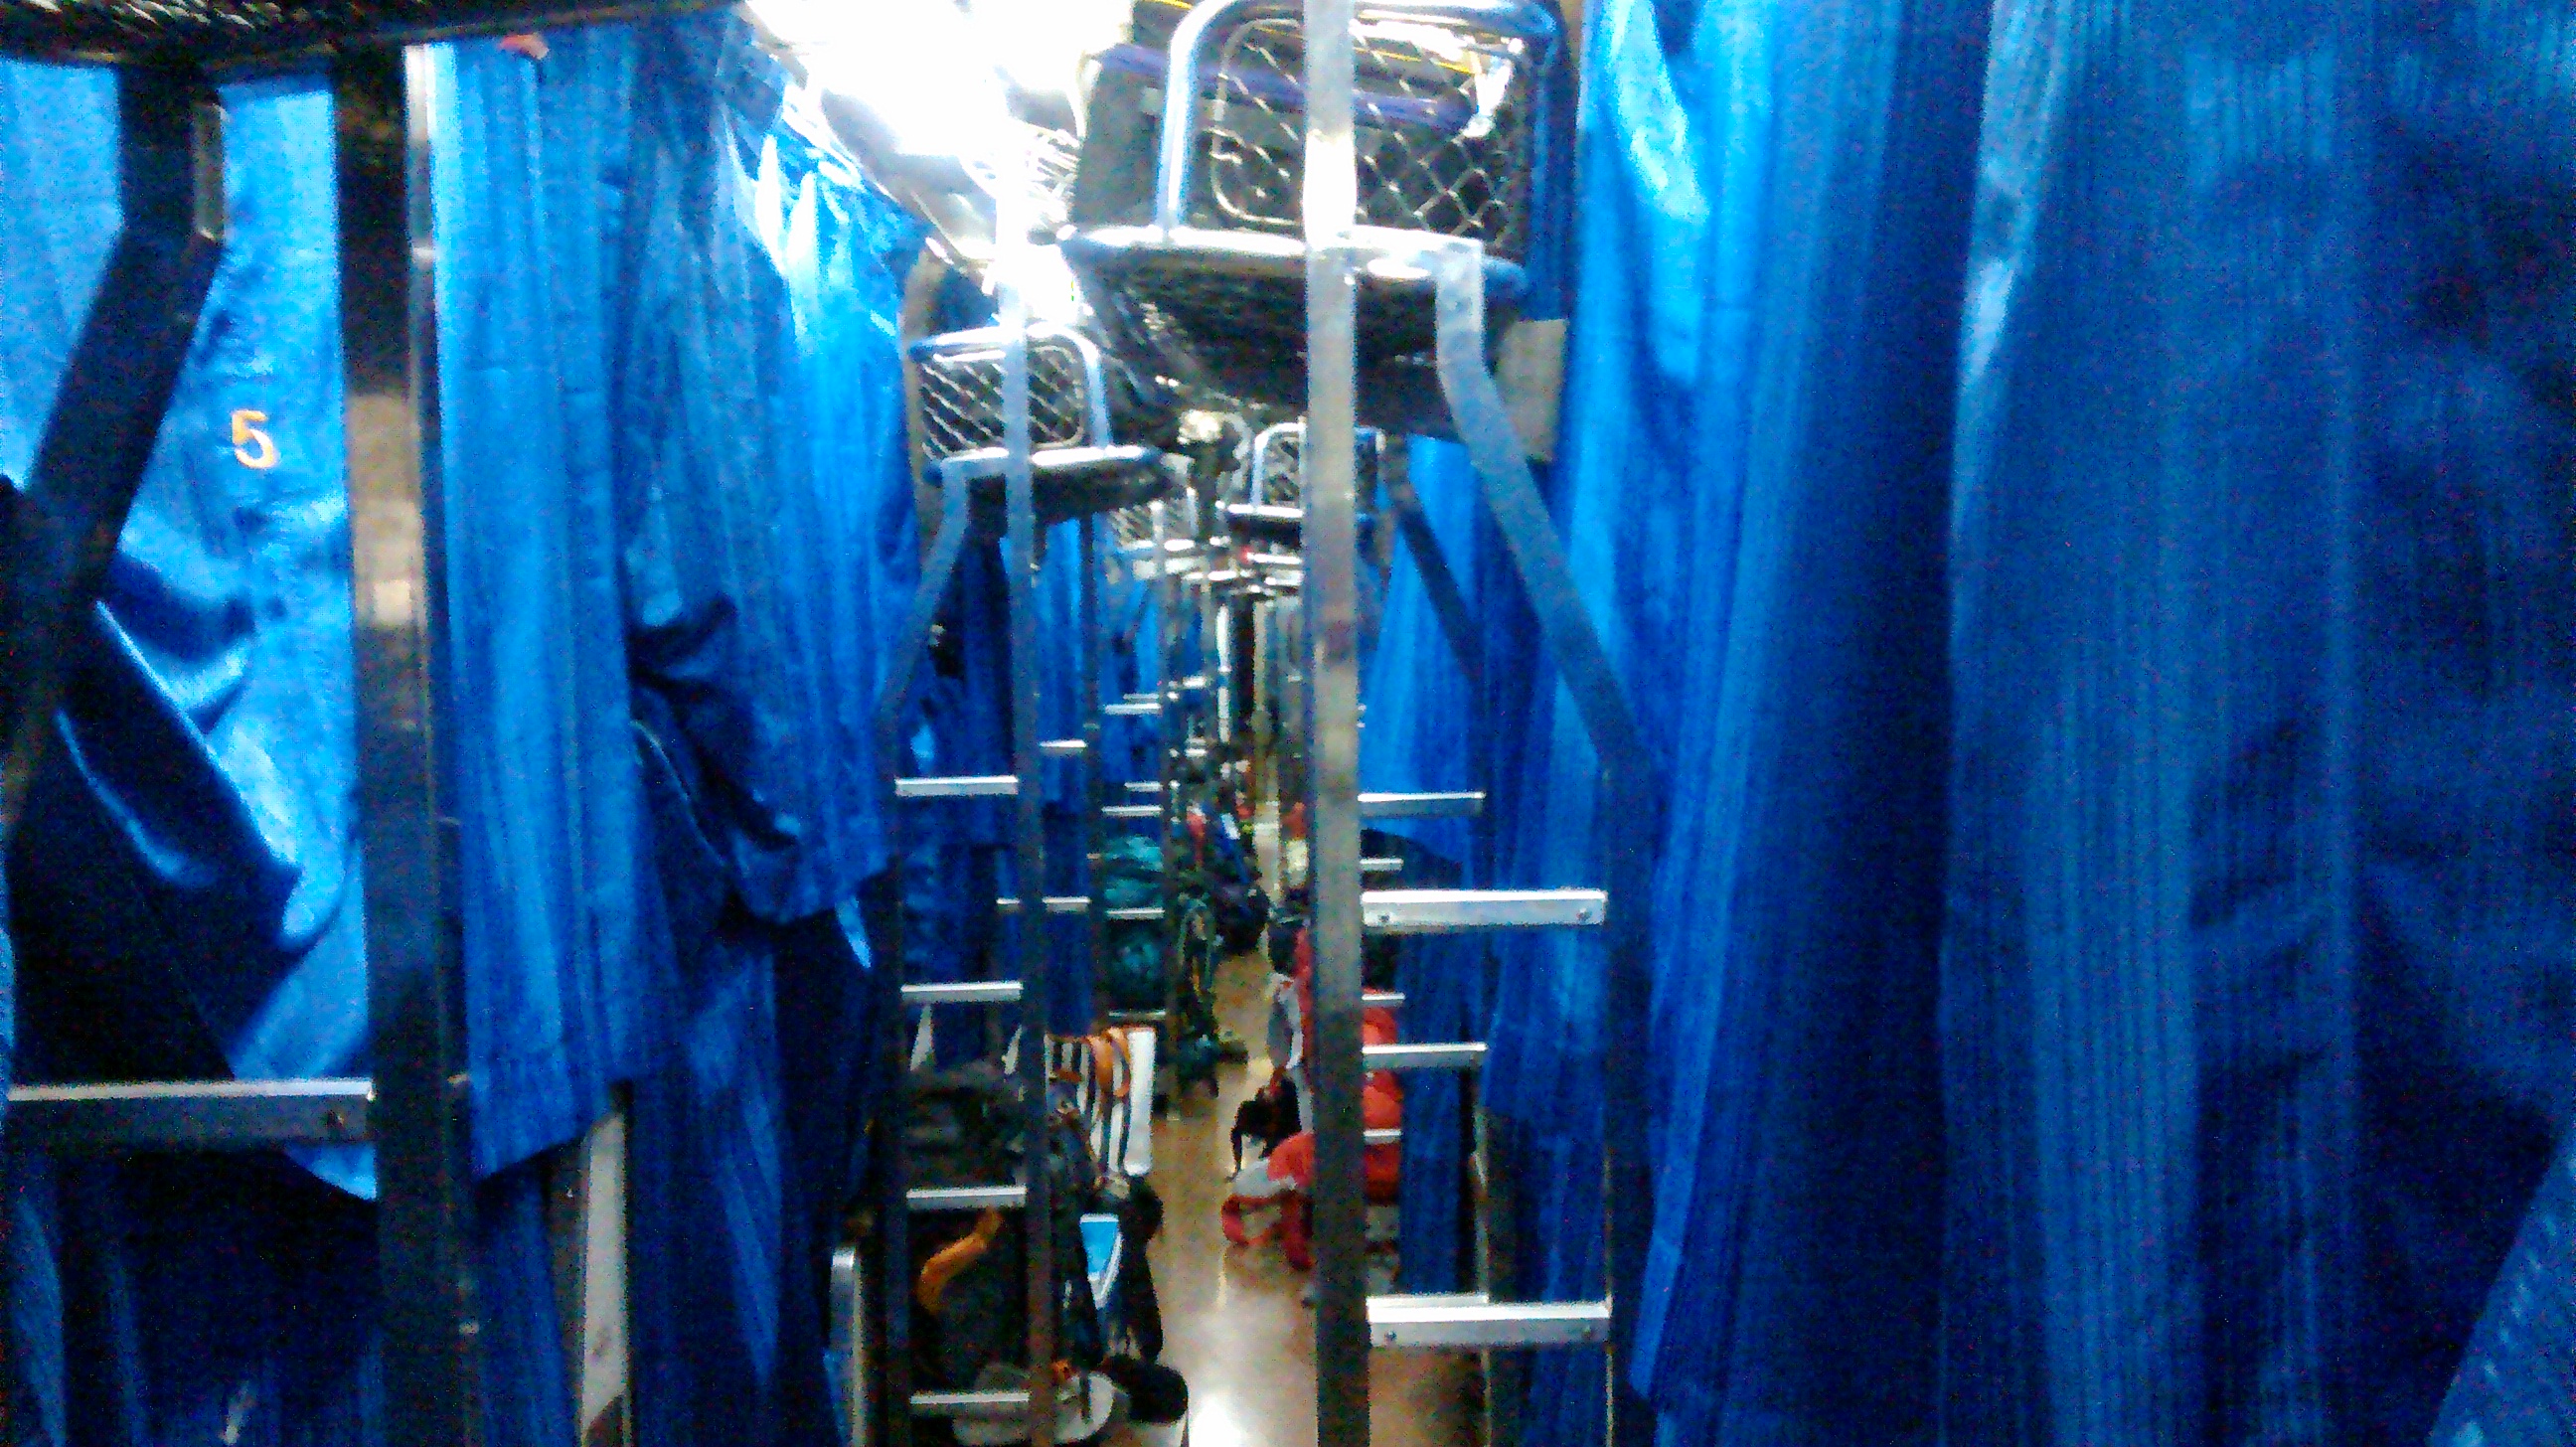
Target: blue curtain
x,y
189,882
198,877
188,900
1801,315
548,757
769,542
2256,1019
1419,740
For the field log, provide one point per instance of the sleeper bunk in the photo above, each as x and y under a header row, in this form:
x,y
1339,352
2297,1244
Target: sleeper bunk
x,y
1081,401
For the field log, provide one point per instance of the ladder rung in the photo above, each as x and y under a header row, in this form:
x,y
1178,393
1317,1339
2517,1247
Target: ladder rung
x,y
1474,1322
1382,999
1062,748
1134,708
1382,1137
960,1404
964,992
1055,904
1421,806
1382,864
1132,811
1446,1055
965,786
189,1115
1265,512
1146,911
966,1198
1144,786
1454,911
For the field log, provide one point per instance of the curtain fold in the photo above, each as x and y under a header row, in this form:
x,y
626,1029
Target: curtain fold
x,y
2255,1015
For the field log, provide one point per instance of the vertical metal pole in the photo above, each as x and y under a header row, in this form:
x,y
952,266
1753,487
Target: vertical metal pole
x,y
1095,785
893,1295
1257,777
1167,635
389,348
1630,800
1221,620
1030,924
1627,845
1203,598
1332,823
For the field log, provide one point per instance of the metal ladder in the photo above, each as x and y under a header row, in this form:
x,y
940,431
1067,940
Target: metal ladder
x,y
899,1404
1349,1322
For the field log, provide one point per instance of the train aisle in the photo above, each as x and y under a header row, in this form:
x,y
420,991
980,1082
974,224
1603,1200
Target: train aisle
x,y
1232,1321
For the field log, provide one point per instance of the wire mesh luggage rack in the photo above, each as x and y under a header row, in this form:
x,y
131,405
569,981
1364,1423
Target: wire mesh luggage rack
x,y
1078,466
1277,476
1213,277
1266,525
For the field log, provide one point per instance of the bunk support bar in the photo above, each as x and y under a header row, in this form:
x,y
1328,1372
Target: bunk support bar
x,y
1464,911
962,992
967,786
1448,604
189,1115
1329,488
1438,1055
966,1198
406,763
58,534
1029,827
1629,796
1460,805
849,1338
1472,1322
968,1404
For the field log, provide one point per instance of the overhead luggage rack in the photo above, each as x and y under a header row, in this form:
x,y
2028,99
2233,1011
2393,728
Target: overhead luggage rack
x,y
1209,269
1277,476
1077,401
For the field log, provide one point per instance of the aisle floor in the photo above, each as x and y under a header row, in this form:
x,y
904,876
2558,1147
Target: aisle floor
x,y
1232,1321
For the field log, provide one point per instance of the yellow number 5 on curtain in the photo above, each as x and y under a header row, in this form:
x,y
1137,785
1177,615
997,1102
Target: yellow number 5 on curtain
x,y
253,448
